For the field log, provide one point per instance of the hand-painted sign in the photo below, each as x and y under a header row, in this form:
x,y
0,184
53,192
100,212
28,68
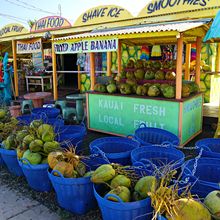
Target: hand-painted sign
x,y
31,46
50,23
86,46
165,7
107,113
102,14
13,29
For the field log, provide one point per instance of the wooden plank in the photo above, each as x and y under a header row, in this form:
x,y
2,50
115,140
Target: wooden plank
x,y
119,53
179,62
92,70
79,78
198,59
187,65
217,68
109,63
54,64
15,67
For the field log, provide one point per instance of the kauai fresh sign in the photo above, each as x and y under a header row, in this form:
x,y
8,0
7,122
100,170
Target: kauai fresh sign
x,y
50,23
86,46
163,7
102,14
123,115
12,29
31,46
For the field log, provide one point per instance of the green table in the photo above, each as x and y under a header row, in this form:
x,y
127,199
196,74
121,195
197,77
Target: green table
x,y
79,98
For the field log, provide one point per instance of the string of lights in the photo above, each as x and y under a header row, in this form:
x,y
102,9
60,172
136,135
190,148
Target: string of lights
x,y
21,20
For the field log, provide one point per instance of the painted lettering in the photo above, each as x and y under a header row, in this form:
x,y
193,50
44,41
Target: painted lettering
x,y
111,120
96,13
148,124
61,47
110,104
49,23
163,4
149,110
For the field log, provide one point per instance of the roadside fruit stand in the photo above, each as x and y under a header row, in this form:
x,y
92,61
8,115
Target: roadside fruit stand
x,y
162,101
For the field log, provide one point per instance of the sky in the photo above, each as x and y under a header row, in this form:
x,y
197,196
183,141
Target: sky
x,y
20,11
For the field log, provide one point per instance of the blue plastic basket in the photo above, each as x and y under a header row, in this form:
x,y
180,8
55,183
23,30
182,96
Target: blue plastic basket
x,y
71,135
206,177
139,210
73,194
155,157
146,135
36,176
49,112
10,159
25,119
210,146
116,149
1,161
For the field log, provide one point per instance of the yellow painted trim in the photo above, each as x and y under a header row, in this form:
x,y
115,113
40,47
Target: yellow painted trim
x,y
198,59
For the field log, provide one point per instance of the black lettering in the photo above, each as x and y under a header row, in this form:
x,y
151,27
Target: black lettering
x,y
174,3
119,12
164,5
84,18
196,2
203,3
103,12
150,8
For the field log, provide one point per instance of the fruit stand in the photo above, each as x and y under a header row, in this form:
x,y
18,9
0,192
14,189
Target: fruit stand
x,y
162,101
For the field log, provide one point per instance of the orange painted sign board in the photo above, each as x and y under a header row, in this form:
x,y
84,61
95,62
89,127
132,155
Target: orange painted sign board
x,y
50,23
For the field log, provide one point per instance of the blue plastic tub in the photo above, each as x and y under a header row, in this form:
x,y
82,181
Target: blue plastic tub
x,y
49,112
10,159
154,157
206,177
71,135
139,210
146,135
74,194
210,146
116,149
36,176
1,161
25,119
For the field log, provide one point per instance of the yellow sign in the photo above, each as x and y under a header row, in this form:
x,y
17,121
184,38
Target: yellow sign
x,y
103,14
50,23
13,29
169,7
29,46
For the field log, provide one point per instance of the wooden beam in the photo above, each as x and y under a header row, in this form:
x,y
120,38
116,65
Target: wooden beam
x,y
217,67
15,67
187,65
92,70
179,67
198,59
119,57
54,64
109,63
79,78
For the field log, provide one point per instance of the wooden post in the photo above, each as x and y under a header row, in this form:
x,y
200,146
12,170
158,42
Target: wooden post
x,y
92,70
109,63
188,58
217,67
54,64
119,57
198,59
179,67
79,78
15,67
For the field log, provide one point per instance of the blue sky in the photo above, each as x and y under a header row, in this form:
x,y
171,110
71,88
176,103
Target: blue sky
x,y
21,10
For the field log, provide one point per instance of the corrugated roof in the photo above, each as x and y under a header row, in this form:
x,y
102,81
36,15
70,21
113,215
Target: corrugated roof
x,y
139,29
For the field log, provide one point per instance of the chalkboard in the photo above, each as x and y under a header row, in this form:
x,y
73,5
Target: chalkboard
x,y
122,115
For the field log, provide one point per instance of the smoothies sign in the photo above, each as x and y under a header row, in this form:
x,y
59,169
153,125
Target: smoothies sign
x,y
163,7
12,29
86,46
102,14
50,23
31,46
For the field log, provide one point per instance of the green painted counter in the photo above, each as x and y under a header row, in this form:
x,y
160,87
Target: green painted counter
x,y
121,115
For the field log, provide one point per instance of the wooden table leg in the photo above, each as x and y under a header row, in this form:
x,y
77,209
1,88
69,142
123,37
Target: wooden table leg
x,y
38,103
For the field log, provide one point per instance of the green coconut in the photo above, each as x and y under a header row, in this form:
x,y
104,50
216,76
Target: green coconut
x,y
189,209
122,192
121,180
212,202
145,185
36,145
33,158
42,128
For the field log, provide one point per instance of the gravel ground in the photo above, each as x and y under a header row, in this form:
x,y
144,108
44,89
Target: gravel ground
x,y
49,199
